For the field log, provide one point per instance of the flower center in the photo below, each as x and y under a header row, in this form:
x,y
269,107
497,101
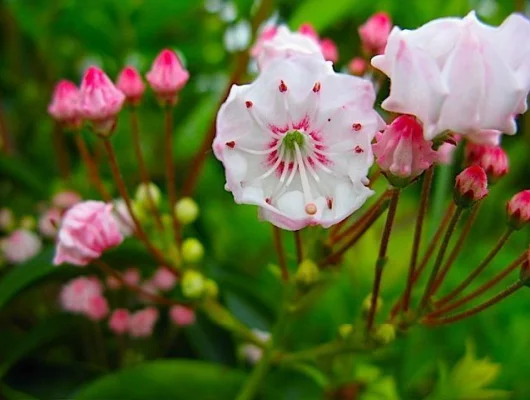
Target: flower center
x,y
293,138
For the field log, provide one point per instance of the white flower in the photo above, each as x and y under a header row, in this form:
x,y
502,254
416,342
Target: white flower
x,y
279,42
459,74
296,142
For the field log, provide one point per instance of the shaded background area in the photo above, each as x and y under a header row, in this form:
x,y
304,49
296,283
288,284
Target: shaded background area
x,y
41,349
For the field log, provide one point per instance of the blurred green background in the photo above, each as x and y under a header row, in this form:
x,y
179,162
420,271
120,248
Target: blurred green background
x,y
41,349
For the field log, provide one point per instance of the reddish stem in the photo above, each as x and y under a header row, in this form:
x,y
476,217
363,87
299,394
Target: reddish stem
x,y
278,247
92,169
170,171
63,162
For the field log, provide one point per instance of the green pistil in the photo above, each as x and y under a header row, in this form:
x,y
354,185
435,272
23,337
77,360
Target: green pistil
x,y
292,138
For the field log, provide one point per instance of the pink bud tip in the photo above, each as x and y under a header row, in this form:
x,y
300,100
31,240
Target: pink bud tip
x,y
357,66
518,209
182,316
493,159
119,321
307,29
402,151
374,33
329,50
64,106
471,186
167,75
131,84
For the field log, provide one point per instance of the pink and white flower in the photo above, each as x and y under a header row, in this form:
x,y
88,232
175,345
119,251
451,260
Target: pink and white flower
x,y
181,315
97,308
130,83
87,230
64,106
20,246
164,279
142,322
76,295
297,142
374,33
430,72
167,75
119,321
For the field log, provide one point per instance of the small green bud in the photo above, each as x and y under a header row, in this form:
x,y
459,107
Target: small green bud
x,y
307,274
345,330
186,210
367,304
211,289
142,195
192,250
385,333
139,211
28,222
193,284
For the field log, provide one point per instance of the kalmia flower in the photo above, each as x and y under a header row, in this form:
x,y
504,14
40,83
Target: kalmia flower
x,y
167,76
374,33
459,74
402,152
518,209
181,315
97,308
76,295
20,246
471,186
142,322
119,321
357,66
87,230
100,101
132,276
296,142
131,84
163,279
493,159
64,106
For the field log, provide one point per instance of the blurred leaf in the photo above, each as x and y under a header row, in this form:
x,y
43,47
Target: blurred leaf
x,y
24,174
168,379
43,333
320,16
9,393
25,274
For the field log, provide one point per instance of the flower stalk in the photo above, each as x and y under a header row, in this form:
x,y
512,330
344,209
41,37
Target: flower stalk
x,y
170,170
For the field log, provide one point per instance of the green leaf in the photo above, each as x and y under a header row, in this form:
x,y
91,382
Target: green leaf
x,y
9,393
168,379
24,275
43,333
24,174
320,16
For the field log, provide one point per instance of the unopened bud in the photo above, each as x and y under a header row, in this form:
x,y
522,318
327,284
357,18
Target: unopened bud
x,y
193,284
307,274
211,289
345,330
471,186
385,333
186,210
367,304
518,210
192,250
139,211
493,159
28,222
358,66
143,191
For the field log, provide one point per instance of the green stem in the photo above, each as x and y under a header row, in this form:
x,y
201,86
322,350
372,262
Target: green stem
x,y
422,211
382,258
439,259
299,249
460,288
325,350
280,252
472,311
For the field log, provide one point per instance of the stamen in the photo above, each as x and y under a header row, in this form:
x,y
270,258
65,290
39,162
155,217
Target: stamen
x,y
316,88
359,149
282,87
258,152
311,208
357,127
306,188
272,169
330,202
231,144
248,104
260,122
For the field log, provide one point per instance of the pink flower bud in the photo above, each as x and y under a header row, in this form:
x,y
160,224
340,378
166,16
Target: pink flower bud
x,y
471,186
131,84
66,199
329,50
87,230
182,316
100,100
357,66
518,209
20,246
163,279
97,308
167,75
76,294
493,159
49,221
374,33
119,321
132,276
64,106
142,322
307,29
401,151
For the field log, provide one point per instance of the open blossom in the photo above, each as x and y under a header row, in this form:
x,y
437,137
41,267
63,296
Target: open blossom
x,y
119,321
374,33
181,315
130,83
87,230
459,74
64,106
100,100
164,279
142,322
49,221
167,75
76,296
20,246
402,151
296,142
